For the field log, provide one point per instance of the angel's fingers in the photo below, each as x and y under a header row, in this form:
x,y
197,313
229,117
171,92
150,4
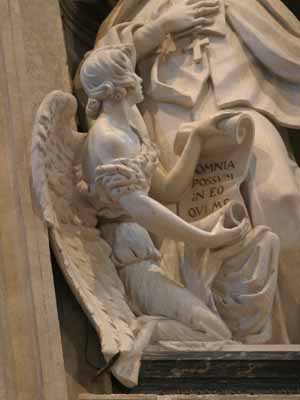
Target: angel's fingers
x,y
245,226
241,230
220,222
215,132
185,131
223,115
185,125
183,128
237,231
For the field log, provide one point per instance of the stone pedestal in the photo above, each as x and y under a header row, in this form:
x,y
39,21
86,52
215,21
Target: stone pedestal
x,y
32,63
259,369
229,370
190,397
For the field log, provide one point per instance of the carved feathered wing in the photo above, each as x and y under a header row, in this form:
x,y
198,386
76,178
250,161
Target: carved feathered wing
x,y
82,254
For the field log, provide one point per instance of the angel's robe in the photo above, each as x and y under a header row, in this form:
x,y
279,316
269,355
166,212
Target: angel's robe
x,y
254,63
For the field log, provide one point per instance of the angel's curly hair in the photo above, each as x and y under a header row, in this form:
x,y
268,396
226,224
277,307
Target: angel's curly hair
x,y
104,70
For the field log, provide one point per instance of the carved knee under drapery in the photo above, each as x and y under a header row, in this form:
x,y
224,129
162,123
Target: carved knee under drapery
x,y
151,293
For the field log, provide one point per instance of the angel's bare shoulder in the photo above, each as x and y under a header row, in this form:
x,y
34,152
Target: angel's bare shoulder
x,y
110,142
103,142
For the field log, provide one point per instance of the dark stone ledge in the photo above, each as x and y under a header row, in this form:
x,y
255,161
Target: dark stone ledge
x,y
246,369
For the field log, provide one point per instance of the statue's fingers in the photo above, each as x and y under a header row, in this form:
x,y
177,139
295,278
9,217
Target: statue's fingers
x,y
210,3
245,226
203,21
185,128
185,124
241,230
198,29
186,132
223,115
193,2
204,3
204,11
215,132
220,222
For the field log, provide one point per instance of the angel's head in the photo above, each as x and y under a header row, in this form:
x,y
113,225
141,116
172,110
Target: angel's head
x,y
108,74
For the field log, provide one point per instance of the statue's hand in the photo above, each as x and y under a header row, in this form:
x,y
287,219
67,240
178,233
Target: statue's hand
x,y
207,127
222,237
188,14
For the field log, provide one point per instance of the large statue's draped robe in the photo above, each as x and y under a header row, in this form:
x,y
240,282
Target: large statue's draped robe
x,y
254,65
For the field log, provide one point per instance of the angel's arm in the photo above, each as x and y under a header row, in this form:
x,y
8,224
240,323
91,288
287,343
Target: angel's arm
x,y
122,186
158,219
168,187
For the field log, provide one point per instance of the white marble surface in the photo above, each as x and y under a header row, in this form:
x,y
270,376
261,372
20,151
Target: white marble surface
x,y
210,273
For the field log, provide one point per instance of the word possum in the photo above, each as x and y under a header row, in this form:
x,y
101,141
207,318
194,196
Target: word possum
x,y
212,180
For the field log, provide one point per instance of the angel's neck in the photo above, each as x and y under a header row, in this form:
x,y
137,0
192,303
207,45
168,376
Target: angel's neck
x,y
116,112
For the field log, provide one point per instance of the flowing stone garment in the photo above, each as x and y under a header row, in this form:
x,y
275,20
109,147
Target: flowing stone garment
x,y
247,67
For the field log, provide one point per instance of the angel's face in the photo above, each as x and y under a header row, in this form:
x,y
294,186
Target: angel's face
x,y
135,90
134,85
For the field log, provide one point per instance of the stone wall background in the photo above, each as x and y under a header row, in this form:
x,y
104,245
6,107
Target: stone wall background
x,y
32,63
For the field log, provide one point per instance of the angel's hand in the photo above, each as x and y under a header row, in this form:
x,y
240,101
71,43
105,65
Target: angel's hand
x,y
222,237
206,128
188,14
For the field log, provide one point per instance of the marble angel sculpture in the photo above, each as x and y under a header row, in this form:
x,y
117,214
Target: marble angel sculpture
x,y
94,189
197,57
